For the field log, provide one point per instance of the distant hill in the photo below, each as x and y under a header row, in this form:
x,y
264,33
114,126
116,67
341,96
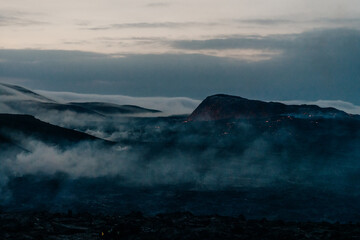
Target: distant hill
x,y
14,90
15,128
223,106
19,100
110,108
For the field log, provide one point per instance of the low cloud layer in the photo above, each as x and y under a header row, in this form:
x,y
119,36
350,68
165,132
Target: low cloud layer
x,y
132,168
169,106
237,42
341,105
180,105
12,101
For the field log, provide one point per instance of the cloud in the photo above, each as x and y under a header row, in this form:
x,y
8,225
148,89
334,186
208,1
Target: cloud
x,y
197,155
76,42
240,42
318,64
338,22
284,42
158,4
14,18
330,22
266,21
153,25
169,106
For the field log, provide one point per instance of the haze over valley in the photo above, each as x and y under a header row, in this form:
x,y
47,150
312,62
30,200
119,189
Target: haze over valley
x,y
173,119
106,155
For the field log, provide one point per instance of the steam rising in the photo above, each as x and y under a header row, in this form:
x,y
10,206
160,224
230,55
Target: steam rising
x,y
151,152
197,158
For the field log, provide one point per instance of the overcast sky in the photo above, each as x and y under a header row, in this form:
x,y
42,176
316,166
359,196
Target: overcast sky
x,y
277,50
143,26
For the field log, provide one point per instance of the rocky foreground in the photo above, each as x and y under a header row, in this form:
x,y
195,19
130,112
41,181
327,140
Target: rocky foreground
x,y
164,226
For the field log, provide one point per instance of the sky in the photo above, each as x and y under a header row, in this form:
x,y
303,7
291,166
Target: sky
x,y
270,50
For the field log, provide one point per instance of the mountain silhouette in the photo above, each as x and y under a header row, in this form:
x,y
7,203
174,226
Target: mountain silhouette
x,y
16,128
223,106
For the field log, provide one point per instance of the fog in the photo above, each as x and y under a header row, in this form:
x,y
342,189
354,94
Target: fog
x,y
156,163
152,152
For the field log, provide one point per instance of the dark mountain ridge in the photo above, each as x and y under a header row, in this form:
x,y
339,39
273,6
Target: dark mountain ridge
x,y
14,127
24,91
20,100
34,107
222,106
110,108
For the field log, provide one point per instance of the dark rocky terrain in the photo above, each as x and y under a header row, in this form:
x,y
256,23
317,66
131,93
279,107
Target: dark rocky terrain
x,y
180,225
223,106
15,128
296,165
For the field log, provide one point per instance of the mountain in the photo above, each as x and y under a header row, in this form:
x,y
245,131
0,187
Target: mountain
x,y
19,100
14,129
13,90
38,107
110,108
223,106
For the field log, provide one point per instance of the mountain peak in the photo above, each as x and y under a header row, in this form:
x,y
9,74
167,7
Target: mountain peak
x,y
15,90
222,106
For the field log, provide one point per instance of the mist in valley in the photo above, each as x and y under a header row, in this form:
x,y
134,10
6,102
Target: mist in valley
x,y
161,164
